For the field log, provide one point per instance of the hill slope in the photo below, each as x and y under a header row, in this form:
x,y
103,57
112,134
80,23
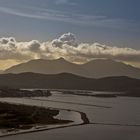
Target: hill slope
x,y
68,81
93,69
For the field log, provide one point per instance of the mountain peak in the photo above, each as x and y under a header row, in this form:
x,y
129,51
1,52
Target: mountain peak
x,y
97,68
61,59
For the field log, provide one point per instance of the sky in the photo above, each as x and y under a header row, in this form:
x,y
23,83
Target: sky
x,y
107,27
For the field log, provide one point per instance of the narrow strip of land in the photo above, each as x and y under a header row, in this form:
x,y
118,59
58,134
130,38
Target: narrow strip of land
x,y
116,124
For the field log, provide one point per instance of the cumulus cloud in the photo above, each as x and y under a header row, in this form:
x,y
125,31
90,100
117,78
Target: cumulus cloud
x,y
7,40
34,46
65,39
64,46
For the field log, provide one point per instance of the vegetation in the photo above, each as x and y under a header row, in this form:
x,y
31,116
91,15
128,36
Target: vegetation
x,y
12,92
68,82
23,117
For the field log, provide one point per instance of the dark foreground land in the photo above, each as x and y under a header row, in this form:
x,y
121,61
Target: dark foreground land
x,y
25,117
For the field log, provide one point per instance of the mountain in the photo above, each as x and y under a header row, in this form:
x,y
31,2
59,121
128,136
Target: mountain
x,y
94,69
107,68
68,81
1,71
45,67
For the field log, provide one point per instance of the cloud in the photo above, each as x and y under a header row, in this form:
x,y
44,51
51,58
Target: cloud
x,y
34,46
65,39
7,40
64,46
68,17
11,49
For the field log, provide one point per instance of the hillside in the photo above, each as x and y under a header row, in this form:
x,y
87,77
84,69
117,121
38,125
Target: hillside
x,y
68,81
94,69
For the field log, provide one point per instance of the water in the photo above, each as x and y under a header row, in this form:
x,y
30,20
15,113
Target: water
x,y
117,117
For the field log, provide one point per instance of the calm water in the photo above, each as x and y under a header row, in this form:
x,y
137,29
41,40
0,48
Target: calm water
x,y
109,111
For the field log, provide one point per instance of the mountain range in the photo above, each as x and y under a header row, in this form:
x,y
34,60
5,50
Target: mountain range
x,y
68,81
1,71
97,68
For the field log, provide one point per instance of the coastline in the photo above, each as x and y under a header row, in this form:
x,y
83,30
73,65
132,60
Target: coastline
x,y
83,117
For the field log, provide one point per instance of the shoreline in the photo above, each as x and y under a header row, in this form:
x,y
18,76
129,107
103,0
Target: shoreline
x,y
83,117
